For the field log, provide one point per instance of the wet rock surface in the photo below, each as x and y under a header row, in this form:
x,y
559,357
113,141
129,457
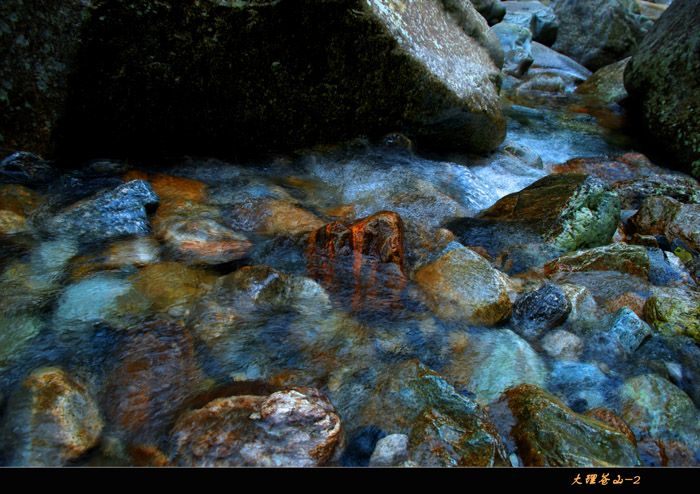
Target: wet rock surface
x,y
296,427
453,292
115,213
444,427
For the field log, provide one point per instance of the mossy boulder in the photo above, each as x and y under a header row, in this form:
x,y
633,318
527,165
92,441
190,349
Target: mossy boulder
x,y
662,82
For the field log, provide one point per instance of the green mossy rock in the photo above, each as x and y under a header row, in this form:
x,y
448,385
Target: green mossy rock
x,y
568,211
548,433
672,314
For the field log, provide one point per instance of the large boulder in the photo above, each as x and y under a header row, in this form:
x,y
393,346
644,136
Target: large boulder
x,y
228,76
593,43
662,82
39,42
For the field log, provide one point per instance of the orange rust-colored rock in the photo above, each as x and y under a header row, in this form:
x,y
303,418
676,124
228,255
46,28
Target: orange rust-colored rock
x,y
169,186
19,199
149,456
363,261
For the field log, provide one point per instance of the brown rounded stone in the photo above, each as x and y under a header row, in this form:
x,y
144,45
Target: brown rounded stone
x,y
171,286
462,285
631,300
272,217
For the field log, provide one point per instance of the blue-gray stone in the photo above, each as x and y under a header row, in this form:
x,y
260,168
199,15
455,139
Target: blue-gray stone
x,y
115,213
629,329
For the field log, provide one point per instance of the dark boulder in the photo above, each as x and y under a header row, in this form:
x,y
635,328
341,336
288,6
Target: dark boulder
x,y
39,43
231,77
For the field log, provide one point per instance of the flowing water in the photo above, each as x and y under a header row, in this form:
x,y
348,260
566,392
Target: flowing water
x,y
82,305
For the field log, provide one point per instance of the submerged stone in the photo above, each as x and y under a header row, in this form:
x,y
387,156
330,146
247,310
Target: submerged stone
x,y
202,241
652,405
98,299
168,187
271,216
462,286
171,288
16,334
52,418
154,374
548,433
488,363
444,428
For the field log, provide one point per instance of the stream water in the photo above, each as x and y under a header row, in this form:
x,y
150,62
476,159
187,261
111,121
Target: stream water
x,y
74,304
